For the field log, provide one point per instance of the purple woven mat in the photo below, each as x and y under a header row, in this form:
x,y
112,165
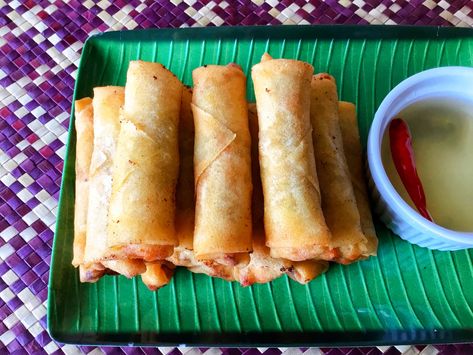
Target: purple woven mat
x,y
40,44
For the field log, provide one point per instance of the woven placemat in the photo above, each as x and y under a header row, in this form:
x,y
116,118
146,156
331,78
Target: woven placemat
x,y
40,45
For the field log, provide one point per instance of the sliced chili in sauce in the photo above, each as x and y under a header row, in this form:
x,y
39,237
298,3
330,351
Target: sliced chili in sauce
x,y
403,157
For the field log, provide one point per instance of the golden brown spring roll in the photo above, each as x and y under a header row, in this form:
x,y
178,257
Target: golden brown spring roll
x,y
84,149
221,165
106,105
353,154
263,267
84,146
338,198
185,202
293,219
145,170
157,275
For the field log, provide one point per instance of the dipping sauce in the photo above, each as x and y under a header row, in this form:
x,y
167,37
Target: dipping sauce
x,y
442,139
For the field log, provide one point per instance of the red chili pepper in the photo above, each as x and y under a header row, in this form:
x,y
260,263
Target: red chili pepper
x,y
403,158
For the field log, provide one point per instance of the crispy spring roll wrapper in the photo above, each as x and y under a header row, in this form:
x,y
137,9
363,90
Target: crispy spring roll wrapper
x,y
84,146
91,273
305,271
126,267
106,106
213,269
145,170
185,202
263,267
94,273
293,219
186,257
222,166
338,197
353,154
157,274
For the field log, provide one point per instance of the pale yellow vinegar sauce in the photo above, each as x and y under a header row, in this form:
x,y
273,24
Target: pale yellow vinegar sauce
x,y
442,138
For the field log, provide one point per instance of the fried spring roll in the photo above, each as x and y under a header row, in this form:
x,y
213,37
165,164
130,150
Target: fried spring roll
x,y
338,198
221,165
84,149
84,146
106,105
353,154
294,223
145,170
263,267
157,275
185,202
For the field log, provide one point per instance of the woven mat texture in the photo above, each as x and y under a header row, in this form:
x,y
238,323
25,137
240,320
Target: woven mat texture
x,y
40,47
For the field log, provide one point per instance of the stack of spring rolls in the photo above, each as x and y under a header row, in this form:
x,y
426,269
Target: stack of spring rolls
x,y
170,176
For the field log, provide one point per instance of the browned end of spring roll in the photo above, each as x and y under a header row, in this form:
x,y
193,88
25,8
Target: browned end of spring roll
x,y
91,273
305,271
157,275
293,219
213,269
186,257
222,165
128,268
353,154
338,199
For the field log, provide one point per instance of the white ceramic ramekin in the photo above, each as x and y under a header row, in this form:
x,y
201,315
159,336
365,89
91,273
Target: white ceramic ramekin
x,y
390,207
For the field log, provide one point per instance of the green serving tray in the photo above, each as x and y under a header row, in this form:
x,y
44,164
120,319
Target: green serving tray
x,y
406,294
